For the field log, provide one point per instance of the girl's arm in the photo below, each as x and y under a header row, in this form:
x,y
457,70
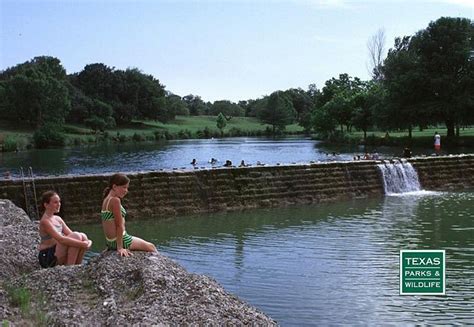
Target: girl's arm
x,y
119,225
66,229
62,239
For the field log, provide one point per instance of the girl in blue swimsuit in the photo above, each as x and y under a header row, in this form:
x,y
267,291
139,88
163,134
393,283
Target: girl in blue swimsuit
x,y
113,219
59,245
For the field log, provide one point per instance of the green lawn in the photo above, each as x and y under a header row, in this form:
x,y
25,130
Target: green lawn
x,y
428,132
195,123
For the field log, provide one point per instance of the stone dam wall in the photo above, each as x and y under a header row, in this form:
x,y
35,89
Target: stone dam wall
x,y
165,194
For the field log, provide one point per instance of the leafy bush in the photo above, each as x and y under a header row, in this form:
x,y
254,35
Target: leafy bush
x,y
184,134
158,135
95,123
234,131
48,135
10,144
169,136
138,137
204,134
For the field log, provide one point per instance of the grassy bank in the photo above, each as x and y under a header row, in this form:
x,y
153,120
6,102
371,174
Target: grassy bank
x,y
423,138
30,306
183,127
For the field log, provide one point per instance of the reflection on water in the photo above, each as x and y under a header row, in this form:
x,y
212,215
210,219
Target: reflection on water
x,y
128,157
329,264
106,158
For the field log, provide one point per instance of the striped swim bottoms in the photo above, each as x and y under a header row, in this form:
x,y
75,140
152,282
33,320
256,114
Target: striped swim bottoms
x,y
126,242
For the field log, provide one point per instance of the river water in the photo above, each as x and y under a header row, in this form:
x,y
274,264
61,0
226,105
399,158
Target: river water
x,y
328,264
128,157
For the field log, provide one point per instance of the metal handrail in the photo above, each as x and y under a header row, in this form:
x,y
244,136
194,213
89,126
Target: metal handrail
x,y
31,213
34,191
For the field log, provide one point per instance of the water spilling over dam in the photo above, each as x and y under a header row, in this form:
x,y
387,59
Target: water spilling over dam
x,y
399,177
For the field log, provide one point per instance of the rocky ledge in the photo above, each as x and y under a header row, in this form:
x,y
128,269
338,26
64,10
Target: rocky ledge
x,y
145,289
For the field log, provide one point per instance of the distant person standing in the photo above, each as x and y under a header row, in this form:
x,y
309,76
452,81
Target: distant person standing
x,y
437,142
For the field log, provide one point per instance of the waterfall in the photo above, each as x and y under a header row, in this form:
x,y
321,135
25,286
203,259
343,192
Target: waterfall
x,y
399,177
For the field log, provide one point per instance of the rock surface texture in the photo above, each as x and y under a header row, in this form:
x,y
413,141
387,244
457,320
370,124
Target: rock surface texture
x,y
145,289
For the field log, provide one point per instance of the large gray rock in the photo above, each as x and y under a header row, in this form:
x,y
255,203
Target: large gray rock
x,y
19,240
144,289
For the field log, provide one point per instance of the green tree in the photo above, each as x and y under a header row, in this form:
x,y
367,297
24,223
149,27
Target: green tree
x,y
35,92
175,104
323,122
254,106
278,111
99,81
227,108
195,105
340,91
406,88
314,93
365,103
444,52
145,94
221,122
303,104
80,105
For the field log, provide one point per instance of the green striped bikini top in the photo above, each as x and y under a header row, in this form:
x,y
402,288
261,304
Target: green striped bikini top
x,y
109,215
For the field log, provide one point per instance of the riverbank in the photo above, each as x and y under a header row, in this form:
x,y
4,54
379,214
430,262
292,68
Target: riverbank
x,y
145,289
423,138
183,127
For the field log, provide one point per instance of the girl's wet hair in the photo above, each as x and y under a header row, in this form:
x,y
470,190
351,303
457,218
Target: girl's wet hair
x,y
46,197
116,179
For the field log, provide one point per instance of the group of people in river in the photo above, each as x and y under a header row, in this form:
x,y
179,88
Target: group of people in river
x,y
59,245
366,156
228,163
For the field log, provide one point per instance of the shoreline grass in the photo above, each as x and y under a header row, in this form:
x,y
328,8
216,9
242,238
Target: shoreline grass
x,y
30,305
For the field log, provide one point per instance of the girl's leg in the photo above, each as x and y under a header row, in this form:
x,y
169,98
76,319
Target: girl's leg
x,y
61,254
140,245
75,255
81,253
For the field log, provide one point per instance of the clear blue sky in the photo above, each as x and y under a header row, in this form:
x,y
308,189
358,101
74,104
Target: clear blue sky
x,y
235,50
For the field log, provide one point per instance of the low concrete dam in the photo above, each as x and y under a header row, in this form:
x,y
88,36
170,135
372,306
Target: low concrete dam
x,y
164,194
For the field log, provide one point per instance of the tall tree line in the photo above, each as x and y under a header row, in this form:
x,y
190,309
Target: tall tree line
x,y
426,79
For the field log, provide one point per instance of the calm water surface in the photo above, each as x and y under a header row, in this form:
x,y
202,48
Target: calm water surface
x,y
106,158
328,264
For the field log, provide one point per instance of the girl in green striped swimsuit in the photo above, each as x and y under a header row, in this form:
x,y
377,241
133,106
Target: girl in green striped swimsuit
x,y
113,219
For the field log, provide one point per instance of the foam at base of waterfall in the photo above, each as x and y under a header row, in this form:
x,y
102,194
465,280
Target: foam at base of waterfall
x,y
415,193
